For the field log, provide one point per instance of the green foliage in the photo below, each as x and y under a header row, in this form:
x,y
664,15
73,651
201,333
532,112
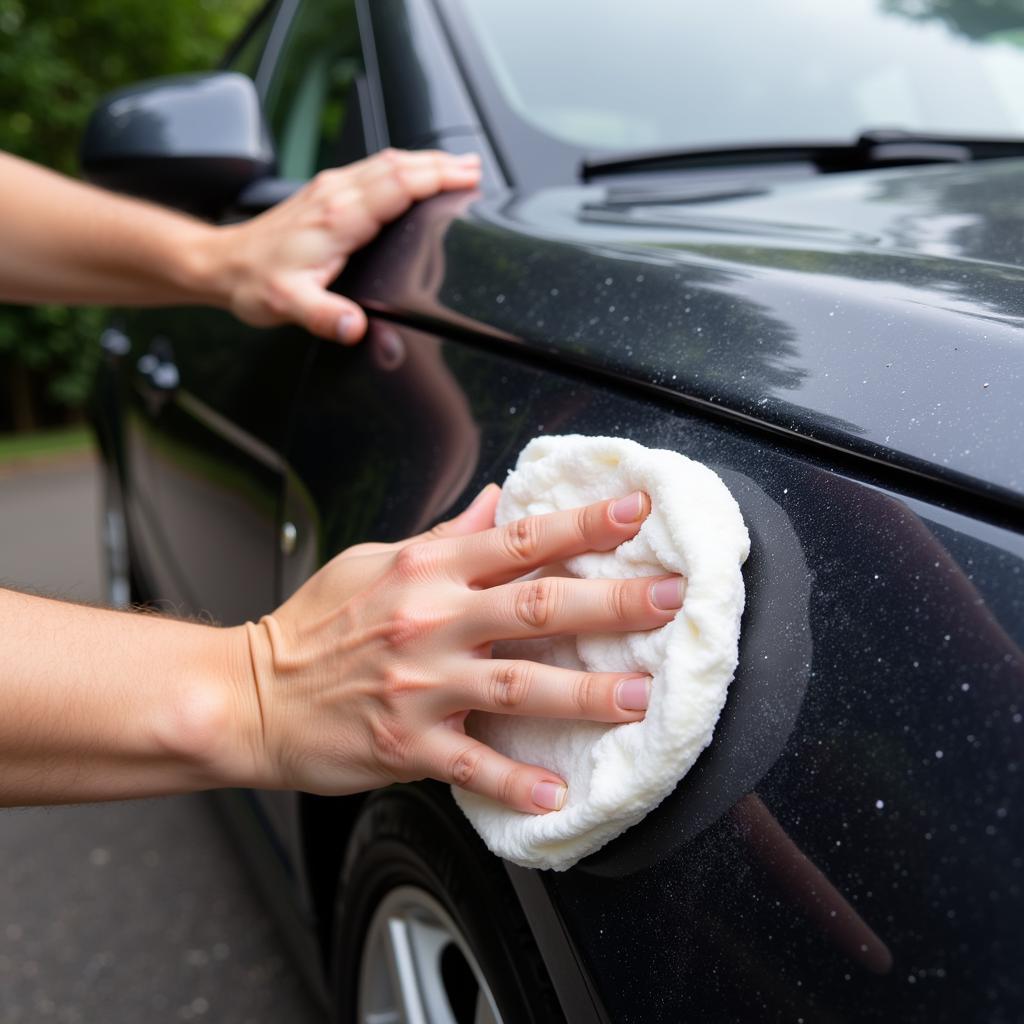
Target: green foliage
x,y
976,20
56,60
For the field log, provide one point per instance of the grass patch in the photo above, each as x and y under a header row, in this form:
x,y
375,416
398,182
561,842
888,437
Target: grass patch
x,y
45,444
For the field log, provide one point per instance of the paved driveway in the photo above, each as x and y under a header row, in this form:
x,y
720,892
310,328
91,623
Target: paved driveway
x,y
125,912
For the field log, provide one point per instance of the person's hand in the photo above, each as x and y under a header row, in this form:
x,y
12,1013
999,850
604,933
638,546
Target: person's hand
x,y
276,267
366,674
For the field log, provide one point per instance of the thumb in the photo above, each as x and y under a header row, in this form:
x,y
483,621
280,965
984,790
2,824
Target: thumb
x,y
478,516
328,315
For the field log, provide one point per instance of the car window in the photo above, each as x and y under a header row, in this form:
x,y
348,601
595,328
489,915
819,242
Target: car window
x,y
604,76
312,86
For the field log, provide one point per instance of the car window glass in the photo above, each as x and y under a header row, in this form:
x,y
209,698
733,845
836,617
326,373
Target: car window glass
x,y
603,75
312,86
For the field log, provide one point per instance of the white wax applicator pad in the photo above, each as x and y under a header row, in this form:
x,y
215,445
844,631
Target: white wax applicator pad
x,y
617,773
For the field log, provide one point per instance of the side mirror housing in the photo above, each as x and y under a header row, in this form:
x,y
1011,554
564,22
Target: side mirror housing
x,y
190,141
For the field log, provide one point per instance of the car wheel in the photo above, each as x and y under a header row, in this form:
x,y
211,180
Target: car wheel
x,y
428,927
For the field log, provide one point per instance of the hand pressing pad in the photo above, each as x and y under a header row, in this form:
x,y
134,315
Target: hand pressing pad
x,y
617,773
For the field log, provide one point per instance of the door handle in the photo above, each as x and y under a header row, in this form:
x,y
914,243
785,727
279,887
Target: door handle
x,y
158,368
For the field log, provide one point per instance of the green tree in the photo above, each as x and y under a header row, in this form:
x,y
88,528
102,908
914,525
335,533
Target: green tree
x,y
976,19
56,60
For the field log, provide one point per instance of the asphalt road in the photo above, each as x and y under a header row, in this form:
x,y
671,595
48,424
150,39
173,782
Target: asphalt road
x,y
124,912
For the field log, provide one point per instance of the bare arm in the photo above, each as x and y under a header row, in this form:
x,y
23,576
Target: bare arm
x,y
366,675
68,242
362,678
100,704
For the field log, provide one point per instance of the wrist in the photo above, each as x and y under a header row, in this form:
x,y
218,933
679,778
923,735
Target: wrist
x,y
202,265
212,725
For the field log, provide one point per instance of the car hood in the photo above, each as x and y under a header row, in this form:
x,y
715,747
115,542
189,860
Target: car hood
x,y
878,313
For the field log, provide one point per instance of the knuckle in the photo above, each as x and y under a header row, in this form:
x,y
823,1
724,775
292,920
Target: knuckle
x,y
278,295
583,692
325,182
511,684
511,785
397,681
581,523
395,180
414,561
522,539
406,626
621,602
536,603
464,766
340,205
391,743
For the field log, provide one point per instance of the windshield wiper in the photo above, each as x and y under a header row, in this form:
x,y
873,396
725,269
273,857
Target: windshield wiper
x,y
888,147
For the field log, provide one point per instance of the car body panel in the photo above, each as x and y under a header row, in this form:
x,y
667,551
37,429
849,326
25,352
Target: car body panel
x,y
873,729
908,358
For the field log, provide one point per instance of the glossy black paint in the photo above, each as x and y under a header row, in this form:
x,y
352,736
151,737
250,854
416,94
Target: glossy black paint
x,y
877,313
851,845
193,141
863,784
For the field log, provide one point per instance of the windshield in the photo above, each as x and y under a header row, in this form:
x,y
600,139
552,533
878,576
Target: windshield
x,y
604,76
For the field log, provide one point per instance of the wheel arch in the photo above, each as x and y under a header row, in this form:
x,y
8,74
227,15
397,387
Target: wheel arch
x,y
325,827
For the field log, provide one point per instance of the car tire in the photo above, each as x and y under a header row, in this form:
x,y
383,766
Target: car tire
x,y
424,908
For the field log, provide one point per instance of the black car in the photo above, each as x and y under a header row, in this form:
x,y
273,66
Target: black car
x,y
786,240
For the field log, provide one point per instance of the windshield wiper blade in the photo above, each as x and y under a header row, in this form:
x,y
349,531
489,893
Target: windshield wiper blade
x,y
880,147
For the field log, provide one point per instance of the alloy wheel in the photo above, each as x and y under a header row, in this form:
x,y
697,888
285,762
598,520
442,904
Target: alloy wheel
x,y
416,966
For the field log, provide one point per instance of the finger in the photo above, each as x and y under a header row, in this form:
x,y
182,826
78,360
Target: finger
x,y
431,170
478,516
420,556
360,173
459,759
530,688
554,604
515,549
327,314
391,188
453,167
360,199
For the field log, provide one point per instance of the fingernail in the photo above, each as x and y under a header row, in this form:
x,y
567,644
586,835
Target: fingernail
x,y
628,509
634,694
468,158
549,795
347,327
668,594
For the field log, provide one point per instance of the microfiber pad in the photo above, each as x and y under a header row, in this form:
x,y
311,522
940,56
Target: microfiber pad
x,y
617,773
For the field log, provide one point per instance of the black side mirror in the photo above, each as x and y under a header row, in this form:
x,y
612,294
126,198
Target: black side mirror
x,y
189,141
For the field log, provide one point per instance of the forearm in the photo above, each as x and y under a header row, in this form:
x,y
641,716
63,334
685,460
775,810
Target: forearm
x,y
100,705
67,242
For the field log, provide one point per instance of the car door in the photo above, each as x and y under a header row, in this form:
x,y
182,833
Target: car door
x,y
210,397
